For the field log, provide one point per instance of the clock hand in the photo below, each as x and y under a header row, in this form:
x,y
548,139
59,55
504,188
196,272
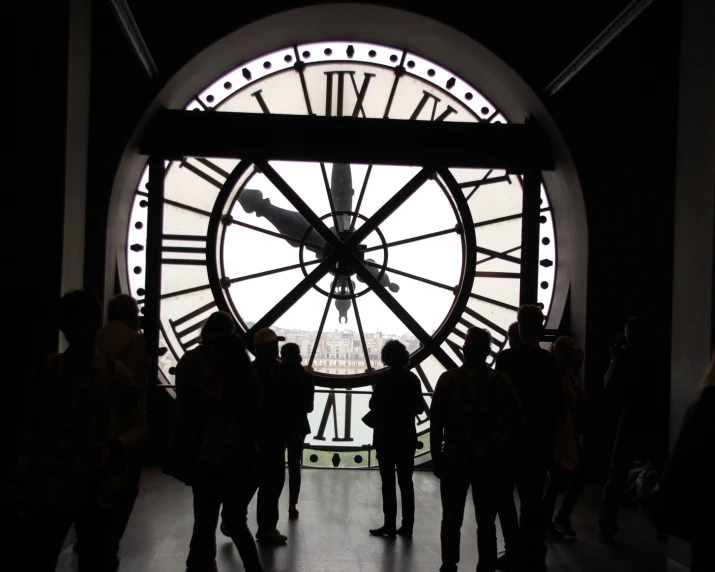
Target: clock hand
x,y
343,305
385,280
341,189
286,222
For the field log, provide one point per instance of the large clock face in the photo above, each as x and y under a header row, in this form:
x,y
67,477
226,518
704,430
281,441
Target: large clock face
x,y
340,258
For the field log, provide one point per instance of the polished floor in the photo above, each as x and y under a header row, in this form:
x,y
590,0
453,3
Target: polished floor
x,y
337,508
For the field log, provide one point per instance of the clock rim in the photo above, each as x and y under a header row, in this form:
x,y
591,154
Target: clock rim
x,y
387,26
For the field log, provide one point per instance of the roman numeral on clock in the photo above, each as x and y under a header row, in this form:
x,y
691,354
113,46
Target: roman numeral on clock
x,y
206,170
425,388
183,249
335,91
331,409
434,115
188,327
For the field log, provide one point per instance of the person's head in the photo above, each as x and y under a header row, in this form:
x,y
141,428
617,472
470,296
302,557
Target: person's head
x,y
290,354
477,345
531,323
636,331
513,335
265,341
124,308
709,379
80,317
218,326
394,354
563,349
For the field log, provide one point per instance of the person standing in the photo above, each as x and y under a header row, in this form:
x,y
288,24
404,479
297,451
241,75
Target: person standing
x,y
298,389
85,421
214,447
271,436
121,340
468,413
395,402
529,453
634,382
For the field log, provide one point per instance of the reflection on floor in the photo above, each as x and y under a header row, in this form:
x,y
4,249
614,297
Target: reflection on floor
x,y
337,508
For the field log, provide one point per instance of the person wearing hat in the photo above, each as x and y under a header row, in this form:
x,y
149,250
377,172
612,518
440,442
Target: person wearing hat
x,y
271,436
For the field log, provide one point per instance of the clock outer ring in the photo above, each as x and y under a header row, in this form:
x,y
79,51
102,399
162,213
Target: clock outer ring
x,y
469,259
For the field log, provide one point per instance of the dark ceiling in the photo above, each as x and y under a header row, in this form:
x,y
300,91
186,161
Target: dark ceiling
x,y
538,39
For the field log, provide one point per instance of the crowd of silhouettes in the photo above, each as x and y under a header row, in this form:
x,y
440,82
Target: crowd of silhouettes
x,y
517,426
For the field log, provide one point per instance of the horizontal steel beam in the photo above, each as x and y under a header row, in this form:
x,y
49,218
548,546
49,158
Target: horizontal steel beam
x,y
514,147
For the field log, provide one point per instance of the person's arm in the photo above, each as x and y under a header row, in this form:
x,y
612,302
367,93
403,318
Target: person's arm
x,y
377,398
308,393
419,400
132,419
437,411
512,405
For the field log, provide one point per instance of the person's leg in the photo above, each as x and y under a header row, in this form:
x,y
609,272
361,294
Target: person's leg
x,y
484,496
386,458
453,488
621,460
295,457
578,482
272,479
100,543
508,517
207,502
47,530
127,499
405,464
237,495
532,522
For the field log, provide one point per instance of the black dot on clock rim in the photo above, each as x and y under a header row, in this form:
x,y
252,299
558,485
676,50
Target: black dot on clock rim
x,y
393,58
288,59
468,96
358,459
542,219
372,53
410,64
210,98
328,52
544,285
141,292
306,54
314,458
137,270
143,203
139,225
267,65
431,72
227,85
546,241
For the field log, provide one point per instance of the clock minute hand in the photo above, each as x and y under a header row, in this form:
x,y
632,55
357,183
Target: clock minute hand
x,y
287,222
341,190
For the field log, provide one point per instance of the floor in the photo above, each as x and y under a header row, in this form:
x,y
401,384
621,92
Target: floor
x,y
337,508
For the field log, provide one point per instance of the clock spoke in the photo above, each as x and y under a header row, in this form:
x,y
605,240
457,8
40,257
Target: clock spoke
x,y
413,239
413,276
359,324
505,218
360,197
273,271
313,246
330,196
292,297
322,323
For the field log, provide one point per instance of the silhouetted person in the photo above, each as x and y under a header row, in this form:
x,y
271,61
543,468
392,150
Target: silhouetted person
x,y
632,382
298,390
214,449
561,471
528,454
121,340
271,436
687,490
469,409
85,422
573,390
396,400
513,335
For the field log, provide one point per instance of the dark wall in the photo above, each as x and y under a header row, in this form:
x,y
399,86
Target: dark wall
x,y
33,221
618,117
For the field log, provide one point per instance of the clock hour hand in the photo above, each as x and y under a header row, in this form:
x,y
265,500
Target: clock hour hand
x,y
286,222
341,190
385,280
